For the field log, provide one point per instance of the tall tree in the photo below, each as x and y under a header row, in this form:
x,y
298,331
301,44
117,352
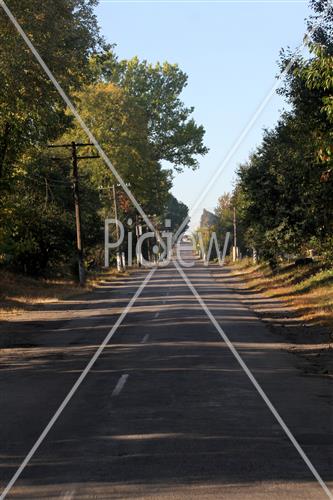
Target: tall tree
x,y
65,34
120,126
176,211
34,204
172,132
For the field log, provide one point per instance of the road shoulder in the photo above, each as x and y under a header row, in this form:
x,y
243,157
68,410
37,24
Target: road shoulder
x,y
310,343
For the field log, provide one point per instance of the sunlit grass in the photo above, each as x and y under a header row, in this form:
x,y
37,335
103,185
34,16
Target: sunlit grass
x,y
307,289
19,293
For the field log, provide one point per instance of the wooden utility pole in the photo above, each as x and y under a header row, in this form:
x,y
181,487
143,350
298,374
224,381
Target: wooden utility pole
x,y
76,194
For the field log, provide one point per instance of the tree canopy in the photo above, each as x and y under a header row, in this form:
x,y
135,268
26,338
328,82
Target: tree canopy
x,y
172,133
133,108
284,193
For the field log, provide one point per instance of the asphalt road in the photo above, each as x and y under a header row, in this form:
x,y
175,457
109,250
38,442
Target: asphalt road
x,y
166,412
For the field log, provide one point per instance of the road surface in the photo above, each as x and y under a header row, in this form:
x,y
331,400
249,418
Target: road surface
x,y
166,412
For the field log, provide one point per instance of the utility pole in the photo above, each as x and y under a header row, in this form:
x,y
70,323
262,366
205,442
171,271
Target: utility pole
x,y
76,194
235,250
79,246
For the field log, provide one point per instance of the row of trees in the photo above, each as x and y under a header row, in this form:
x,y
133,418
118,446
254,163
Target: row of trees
x,y
132,107
283,194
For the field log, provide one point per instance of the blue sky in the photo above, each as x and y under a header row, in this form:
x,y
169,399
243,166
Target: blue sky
x,y
229,51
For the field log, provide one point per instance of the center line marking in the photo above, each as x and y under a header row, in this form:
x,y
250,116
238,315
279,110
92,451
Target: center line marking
x,y
157,314
120,384
145,338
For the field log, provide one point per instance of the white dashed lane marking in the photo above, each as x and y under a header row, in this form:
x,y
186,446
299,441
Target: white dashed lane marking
x,y
145,338
120,384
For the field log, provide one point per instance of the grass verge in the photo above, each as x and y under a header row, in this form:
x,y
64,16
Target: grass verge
x,y
307,289
20,293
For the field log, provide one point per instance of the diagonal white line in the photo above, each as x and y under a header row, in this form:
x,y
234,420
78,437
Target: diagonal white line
x,y
75,112
220,168
256,385
100,149
75,387
120,319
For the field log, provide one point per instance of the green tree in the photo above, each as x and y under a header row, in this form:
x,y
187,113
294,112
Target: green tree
x,y
34,231
65,34
176,211
119,124
172,133
225,213
286,186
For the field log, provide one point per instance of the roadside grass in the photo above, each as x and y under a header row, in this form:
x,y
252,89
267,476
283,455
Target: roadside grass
x,y
307,289
20,293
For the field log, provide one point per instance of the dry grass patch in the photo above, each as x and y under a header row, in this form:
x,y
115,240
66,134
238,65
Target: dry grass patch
x,y
307,289
20,293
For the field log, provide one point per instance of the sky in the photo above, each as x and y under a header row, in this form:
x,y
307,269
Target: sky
x,y
229,50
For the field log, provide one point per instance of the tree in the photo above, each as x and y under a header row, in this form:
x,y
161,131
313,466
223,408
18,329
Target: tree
x,y
135,111
35,223
320,24
177,212
119,125
225,213
172,134
285,205
286,192
65,34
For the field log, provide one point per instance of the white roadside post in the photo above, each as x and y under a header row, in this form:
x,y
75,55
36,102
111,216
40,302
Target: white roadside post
x,y
123,261
138,231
